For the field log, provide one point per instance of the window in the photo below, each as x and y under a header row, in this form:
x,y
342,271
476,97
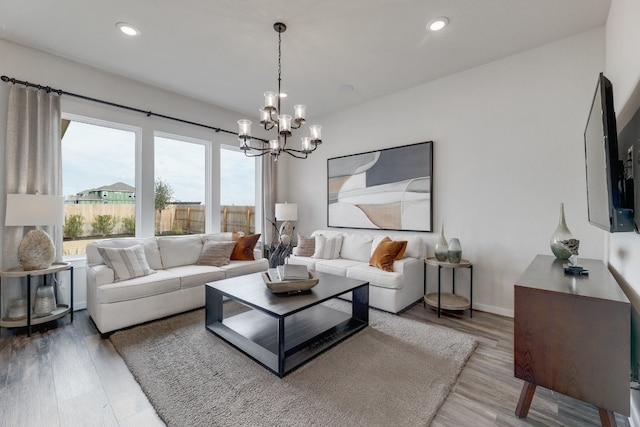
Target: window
x,y
180,186
98,178
237,191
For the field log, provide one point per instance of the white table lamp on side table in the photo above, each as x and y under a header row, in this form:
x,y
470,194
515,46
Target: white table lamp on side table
x,y
286,212
36,250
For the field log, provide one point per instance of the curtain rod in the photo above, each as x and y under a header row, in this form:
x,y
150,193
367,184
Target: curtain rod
x,y
49,89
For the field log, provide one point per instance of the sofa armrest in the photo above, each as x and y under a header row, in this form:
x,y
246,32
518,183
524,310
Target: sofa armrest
x,y
99,275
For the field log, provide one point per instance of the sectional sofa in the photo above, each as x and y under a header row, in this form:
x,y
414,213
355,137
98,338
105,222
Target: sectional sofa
x,y
391,291
169,281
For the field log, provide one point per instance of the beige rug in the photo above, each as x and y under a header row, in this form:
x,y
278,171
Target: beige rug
x,y
395,372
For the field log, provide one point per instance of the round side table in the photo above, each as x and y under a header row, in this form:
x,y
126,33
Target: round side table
x,y
449,301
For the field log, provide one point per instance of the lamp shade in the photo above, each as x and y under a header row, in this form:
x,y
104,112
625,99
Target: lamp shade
x,y
286,211
34,209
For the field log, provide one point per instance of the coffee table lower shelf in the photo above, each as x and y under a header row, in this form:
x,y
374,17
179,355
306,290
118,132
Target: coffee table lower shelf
x,y
306,334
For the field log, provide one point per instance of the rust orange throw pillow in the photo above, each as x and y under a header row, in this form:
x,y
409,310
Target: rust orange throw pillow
x,y
387,251
244,247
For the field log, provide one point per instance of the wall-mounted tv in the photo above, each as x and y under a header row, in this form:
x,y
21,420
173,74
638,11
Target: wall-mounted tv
x,y
609,205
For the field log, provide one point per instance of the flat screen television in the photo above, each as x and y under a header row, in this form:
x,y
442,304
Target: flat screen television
x,y
609,207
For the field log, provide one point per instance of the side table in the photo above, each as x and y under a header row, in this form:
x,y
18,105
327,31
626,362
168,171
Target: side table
x,y
61,309
448,301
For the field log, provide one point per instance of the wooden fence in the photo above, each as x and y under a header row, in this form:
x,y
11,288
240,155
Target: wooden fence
x,y
175,219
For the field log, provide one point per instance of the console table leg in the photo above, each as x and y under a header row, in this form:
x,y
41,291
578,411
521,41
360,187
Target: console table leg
x,y
526,396
607,418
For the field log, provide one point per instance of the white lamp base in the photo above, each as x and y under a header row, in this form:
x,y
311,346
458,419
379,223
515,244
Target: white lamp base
x,y
36,251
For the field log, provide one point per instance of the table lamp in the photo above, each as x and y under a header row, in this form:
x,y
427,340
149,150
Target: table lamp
x,y
36,250
286,212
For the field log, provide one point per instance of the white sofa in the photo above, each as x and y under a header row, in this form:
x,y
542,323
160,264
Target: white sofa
x,y
176,286
389,291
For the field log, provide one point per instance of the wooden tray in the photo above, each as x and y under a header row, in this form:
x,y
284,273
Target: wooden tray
x,y
290,286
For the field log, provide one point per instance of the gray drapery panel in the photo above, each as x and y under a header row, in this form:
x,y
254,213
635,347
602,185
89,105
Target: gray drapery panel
x,y
33,159
269,197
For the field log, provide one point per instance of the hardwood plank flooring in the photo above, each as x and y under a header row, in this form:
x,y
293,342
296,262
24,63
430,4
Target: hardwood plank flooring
x,y
66,375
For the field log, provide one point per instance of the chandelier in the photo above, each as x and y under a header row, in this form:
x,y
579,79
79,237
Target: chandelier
x,y
272,118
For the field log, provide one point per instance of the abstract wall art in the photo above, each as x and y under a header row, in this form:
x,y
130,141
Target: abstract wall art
x,y
387,189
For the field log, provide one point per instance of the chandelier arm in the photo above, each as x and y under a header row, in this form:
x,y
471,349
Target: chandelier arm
x,y
256,155
291,153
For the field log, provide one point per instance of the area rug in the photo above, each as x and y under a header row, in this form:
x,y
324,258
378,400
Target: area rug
x,y
395,372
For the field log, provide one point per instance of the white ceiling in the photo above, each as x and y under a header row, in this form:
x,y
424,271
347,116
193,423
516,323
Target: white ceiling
x,y
225,51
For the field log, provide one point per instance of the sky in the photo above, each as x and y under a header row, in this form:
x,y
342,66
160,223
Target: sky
x,y
95,156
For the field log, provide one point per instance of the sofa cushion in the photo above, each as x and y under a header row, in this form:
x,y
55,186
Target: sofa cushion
x,y
327,247
240,268
376,277
416,247
387,252
356,246
197,275
150,244
306,246
243,250
179,250
336,266
126,263
303,260
140,287
215,253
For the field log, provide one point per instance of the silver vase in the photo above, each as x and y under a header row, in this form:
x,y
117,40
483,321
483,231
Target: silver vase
x,y
441,248
560,236
45,301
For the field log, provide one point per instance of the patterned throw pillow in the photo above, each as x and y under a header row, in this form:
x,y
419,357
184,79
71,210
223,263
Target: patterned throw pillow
x,y
306,245
244,247
387,252
327,247
216,253
126,263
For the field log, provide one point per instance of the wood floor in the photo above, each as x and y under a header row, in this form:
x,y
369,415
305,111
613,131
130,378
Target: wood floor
x,y
65,375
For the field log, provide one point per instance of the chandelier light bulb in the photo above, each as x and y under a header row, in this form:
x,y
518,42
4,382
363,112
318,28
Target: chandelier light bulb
x,y
316,134
270,101
306,144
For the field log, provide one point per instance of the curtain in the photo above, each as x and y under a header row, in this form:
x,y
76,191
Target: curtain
x,y
269,197
33,159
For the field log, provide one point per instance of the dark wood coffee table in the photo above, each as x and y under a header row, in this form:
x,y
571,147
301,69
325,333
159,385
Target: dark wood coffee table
x,y
283,332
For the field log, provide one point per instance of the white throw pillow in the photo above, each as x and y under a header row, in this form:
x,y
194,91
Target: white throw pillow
x,y
328,247
126,263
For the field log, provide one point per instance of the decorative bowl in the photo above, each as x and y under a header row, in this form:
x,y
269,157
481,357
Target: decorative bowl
x,y
289,286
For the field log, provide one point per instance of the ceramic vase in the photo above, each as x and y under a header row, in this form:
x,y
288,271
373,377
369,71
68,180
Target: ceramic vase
x,y
455,251
561,234
441,249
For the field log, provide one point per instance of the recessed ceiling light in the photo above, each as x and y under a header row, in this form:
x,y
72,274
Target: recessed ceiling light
x,y
128,29
438,23
283,94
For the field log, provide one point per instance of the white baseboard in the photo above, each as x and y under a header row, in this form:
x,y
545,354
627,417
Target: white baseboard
x,y
492,309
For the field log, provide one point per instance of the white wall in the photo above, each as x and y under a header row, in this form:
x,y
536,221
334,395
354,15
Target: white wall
x,y
37,67
508,149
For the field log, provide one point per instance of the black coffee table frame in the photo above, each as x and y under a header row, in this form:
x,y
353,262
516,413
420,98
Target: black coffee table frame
x,y
283,332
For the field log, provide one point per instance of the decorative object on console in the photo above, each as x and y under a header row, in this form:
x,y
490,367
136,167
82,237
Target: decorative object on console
x,y
271,117
36,250
286,212
387,189
45,300
441,248
455,251
560,235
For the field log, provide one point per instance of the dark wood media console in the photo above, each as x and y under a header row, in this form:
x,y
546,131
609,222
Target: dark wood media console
x,y
572,335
